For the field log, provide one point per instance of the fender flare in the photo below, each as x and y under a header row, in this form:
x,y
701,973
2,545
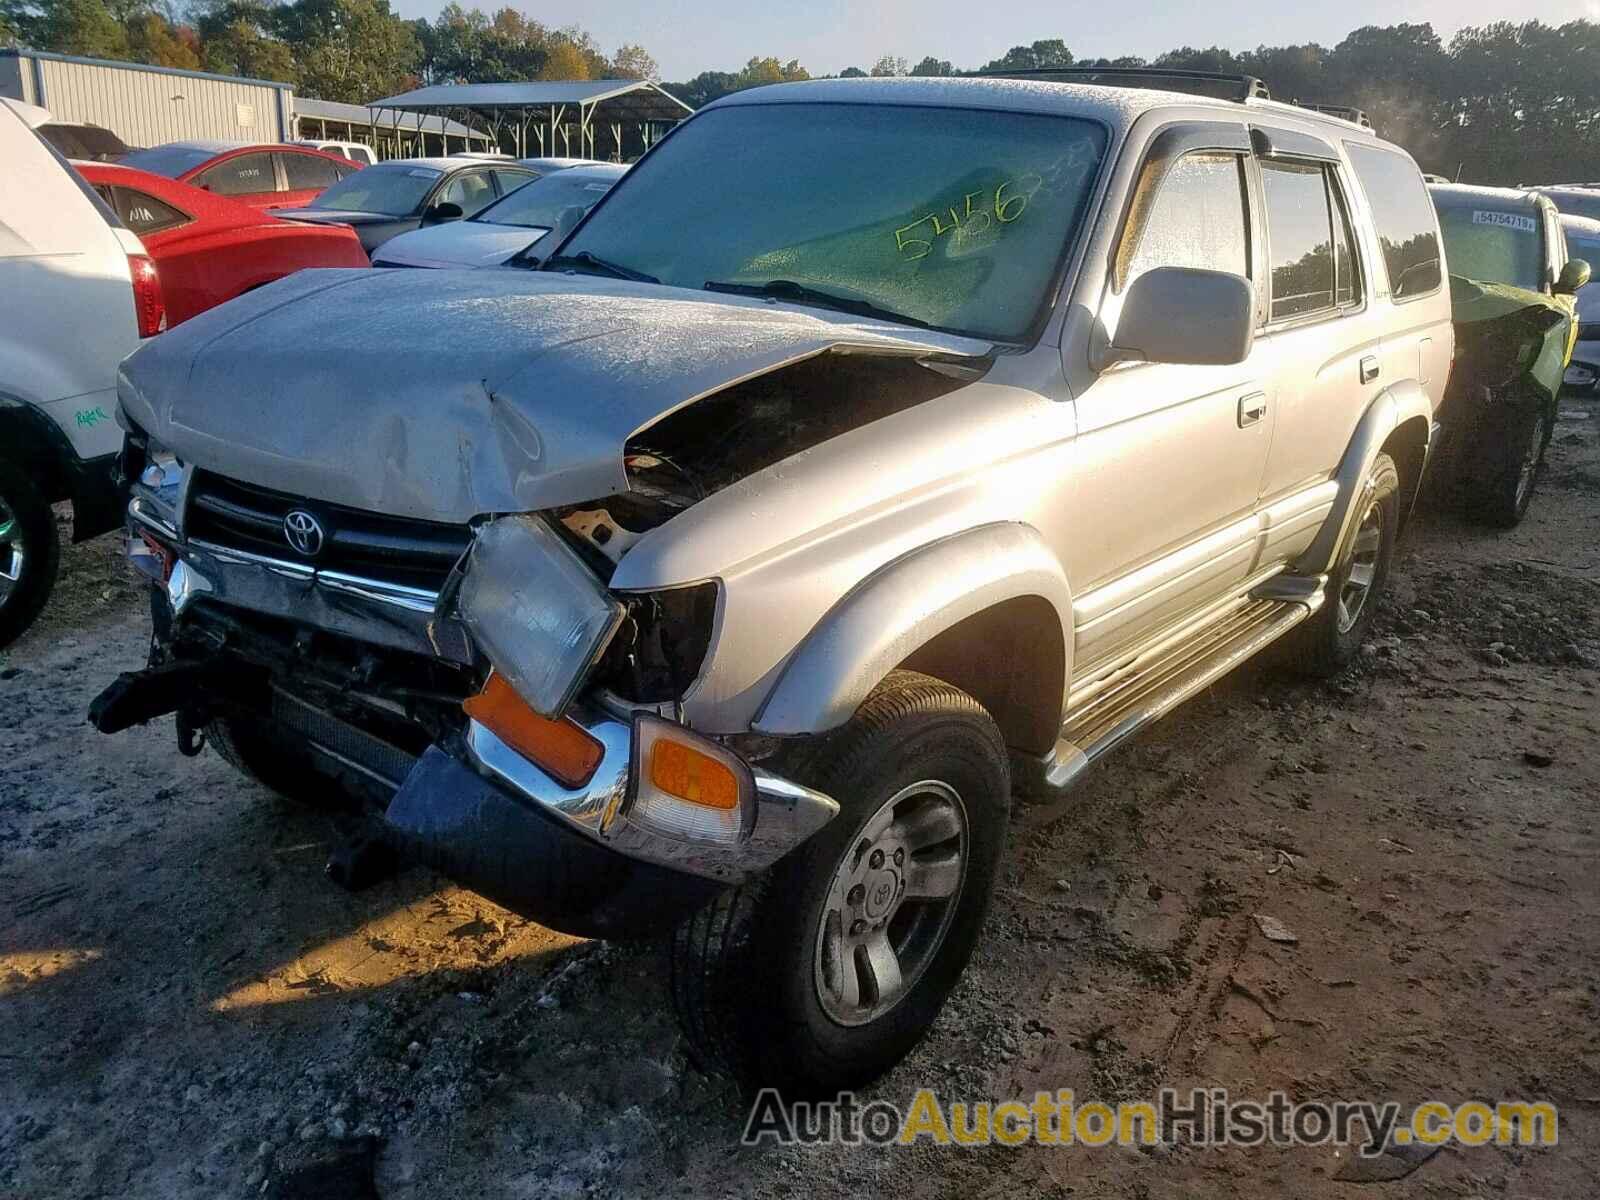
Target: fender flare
x,y
900,608
37,443
1393,407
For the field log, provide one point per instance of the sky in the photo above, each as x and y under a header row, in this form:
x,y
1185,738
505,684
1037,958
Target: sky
x,y
828,35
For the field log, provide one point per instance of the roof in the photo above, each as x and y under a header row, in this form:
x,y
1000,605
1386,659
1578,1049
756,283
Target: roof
x,y
1117,107
49,56
436,162
1453,194
360,114
1586,226
557,164
594,170
534,94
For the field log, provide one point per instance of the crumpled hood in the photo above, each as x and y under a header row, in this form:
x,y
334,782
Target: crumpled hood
x,y
459,244
443,395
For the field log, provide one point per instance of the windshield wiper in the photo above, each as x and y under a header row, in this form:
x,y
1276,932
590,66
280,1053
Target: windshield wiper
x,y
595,263
788,289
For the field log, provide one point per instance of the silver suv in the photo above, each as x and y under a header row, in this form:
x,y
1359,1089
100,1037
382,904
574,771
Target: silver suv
x,y
873,450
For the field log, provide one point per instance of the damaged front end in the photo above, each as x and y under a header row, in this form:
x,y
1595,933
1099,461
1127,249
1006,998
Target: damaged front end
x,y
511,718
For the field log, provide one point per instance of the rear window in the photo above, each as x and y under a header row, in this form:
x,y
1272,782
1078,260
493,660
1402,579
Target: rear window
x,y
144,214
1404,217
170,161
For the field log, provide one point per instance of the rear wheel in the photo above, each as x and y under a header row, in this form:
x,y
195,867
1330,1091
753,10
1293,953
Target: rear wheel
x,y
1510,490
30,552
1327,643
828,970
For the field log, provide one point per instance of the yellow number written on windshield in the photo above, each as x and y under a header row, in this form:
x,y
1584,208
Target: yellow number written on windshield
x,y
977,213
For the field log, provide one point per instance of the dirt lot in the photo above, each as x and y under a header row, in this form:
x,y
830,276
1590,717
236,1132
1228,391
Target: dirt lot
x,y
190,1010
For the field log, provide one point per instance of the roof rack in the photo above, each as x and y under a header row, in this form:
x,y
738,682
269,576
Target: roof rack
x,y
1219,85
1344,112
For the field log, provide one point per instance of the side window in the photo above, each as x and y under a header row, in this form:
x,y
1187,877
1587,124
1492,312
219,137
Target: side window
x,y
143,213
305,171
510,181
1308,240
246,175
1197,219
471,190
1408,230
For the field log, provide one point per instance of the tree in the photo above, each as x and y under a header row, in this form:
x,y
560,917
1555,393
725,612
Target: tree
x,y
154,40
565,61
888,65
704,88
82,27
349,50
852,73
631,62
237,38
759,71
933,66
1048,52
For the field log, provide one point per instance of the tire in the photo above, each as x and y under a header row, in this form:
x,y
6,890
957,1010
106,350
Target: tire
x,y
1520,450
30,552
260,751
1328,642
762,977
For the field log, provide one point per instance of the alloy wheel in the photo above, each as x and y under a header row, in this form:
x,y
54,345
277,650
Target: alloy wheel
x,y
12,552
890,903
1363,568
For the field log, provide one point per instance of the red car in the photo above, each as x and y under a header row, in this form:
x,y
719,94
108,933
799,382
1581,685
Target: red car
x,y
261,176
207,248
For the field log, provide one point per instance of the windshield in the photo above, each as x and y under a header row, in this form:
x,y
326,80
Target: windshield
x,y
1492,246
955,218
170,161
393,189
539,204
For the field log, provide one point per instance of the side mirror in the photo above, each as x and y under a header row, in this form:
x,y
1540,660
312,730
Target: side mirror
x,y
1573,276
1183,315
442,212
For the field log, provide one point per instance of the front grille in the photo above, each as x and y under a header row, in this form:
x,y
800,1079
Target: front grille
x,y
241,516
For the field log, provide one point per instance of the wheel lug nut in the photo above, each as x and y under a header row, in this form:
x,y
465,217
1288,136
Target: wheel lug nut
x,y
900,857
876,860
857,894
857,927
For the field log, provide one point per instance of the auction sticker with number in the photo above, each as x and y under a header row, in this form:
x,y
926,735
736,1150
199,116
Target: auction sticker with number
x,y
1510,220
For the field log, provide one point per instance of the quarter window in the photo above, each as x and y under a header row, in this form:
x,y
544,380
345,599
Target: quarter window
x,y
247,175
1308,238
1408,231
144,214
1197,220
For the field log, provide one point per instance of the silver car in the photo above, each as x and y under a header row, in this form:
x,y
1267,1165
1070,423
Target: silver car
x,y
874,449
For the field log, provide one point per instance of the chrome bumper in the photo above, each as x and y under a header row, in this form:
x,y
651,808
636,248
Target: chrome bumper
x,y
786,813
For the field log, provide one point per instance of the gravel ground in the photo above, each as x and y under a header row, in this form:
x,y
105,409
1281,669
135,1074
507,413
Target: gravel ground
x,y
190,1010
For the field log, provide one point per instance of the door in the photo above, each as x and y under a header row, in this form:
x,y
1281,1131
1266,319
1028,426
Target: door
x,y
1168,460
1324,341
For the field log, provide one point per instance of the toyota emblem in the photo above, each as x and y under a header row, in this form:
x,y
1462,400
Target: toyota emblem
x,y
303,532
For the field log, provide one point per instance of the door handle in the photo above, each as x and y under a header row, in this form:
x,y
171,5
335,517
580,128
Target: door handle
x,y
1252,408
1369,369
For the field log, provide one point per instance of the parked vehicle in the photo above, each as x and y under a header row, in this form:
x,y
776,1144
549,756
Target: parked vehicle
x,y
79,294
356,152
509,228
403,194
1512,291
729,570
1582,377
208,248
1579,200
71,139
271,176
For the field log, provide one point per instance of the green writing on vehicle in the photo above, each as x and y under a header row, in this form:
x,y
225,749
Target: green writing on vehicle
x,y
88,418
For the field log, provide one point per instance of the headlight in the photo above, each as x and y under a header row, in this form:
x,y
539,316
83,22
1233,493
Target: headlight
x,y
536,610
156,476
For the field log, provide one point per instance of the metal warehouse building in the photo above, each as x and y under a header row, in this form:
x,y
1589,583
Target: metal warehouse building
x,y
146,106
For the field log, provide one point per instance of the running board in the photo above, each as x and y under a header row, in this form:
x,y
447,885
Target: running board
x,y
1162,678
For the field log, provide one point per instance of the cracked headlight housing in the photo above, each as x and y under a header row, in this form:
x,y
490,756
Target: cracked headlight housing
x,y
536,610
156,476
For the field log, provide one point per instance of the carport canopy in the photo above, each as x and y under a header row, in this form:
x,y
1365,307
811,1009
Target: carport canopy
x,y
617,119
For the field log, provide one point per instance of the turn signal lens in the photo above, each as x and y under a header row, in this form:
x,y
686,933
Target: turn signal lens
x,y
566,752
684,772
687,787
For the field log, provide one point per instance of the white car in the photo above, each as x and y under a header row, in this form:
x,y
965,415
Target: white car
x,y
92,294
507,228
356,152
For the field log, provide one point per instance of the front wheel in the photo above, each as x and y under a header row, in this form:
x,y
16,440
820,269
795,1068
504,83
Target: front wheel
x,y
30,552
1510,489
1327,643
827,971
